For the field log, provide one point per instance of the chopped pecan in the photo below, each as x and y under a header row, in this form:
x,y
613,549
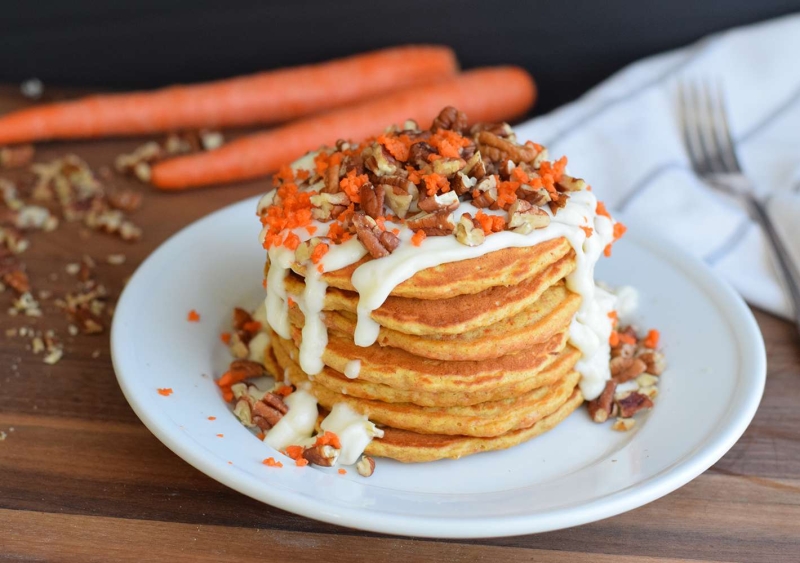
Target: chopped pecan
x,y
372,200
450,118
331,179
556,204
447,167
537,197
500,129
365,466
433,224
87,321
370,235
487,192
247,369
398,200
244,412
525,218
268,411
601,407
18,281
125,200
444,202
623,424
418,154
475,167
570,184
388,240
305,248
378,161
240,318
498,149
505,169
16,157
632,403
326,205
467,232
322,455
624,369
623,350
461,183
654,361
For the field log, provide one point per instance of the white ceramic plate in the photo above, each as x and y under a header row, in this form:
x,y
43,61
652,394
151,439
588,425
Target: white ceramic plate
x,y
579,472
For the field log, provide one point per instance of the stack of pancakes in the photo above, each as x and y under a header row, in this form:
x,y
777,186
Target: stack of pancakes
x,y
472,355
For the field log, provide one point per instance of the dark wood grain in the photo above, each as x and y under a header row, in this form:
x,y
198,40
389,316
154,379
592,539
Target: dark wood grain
x,y
81,479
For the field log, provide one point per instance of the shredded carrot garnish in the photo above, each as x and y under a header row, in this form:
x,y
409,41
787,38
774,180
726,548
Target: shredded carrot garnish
x,y
343,472
301,462
212,418
193,316
395,231
435,183
418,237
614,318
351,185
328,439
294,452
320,268
490,223
507,193
414,175
652,338
588,231
261,436
264,283
290,301
292,241
601,210
284,390
607,251
619,230
311,229
614,338
319,251
251,326
381,222
165,391
284,174
225,337
220,435
270,462
397,146
303,174
448,143
227,395
626,338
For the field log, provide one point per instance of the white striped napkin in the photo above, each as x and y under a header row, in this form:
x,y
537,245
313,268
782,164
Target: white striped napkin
x,y
624,137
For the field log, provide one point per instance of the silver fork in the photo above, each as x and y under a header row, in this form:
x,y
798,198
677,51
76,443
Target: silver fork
x,y
706,134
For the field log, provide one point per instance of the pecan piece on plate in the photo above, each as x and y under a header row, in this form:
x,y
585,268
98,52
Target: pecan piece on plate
x,y
365,466
602,407
632,403
524,218
433,224
377,242
624,369
372,199
450,118
322,455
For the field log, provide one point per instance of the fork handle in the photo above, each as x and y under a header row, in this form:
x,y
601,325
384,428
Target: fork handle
x,y
790,274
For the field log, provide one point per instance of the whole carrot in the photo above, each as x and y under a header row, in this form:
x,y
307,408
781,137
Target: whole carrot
x,y
263,98
489,94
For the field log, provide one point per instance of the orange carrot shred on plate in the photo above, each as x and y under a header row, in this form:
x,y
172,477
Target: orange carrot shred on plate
x,y
474,92
212,418
626,338
652,338
251,326
193,316
225,337
284,390
343,472
270,462
328,439
301,462
588,231
614,338
294,452
262,98
614,318
165,391
227,395
601,210
220,435
261,436
418,237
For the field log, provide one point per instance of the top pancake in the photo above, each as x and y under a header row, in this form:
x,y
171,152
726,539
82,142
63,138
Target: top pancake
x,y
509,266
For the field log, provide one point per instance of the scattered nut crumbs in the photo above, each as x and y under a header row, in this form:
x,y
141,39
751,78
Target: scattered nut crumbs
x,y
635,367
116,259
138,162
165,391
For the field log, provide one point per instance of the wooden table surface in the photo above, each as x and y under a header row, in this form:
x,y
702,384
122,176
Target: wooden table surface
x,y
81,479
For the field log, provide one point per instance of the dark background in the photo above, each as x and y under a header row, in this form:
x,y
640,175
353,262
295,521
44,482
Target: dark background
x,y
568,45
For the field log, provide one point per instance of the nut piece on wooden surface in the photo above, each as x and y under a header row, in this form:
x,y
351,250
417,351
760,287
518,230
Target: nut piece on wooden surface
x,y
365,466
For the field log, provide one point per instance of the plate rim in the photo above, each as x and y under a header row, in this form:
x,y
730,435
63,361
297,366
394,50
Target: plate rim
x,y
752,360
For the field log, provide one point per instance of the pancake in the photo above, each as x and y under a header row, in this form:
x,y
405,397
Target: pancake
x,y
508,266
491,418
404,371
552,313
455,315
414,447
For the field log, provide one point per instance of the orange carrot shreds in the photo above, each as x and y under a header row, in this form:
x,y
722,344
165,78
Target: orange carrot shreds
x,y
434,156
351,185
291,210
418,237
284,174
320,269
498,223
212,418
507,193
264,283
614,318
652,338
284,390
607,251
319,251
328,439
337,233
434,183
395,232
601,210
414,175
519,175
292,241
588,230
343,472
220,435
614,338
225,337
626,338
251,326
301,462
490,223
290,301
261,436
303,174
536,146
381,222
311,229
448,143
270,462
325,160
397,145
165,391
294,452
227,395
193,316
619,230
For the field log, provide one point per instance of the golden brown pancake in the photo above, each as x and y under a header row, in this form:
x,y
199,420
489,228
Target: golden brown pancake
x,y
455,315
413,447
509,266
491,418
